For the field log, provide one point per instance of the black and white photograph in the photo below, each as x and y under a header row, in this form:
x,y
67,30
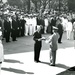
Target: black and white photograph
x,y
37,37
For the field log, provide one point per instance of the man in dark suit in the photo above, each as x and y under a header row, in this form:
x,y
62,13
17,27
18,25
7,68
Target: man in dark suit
x,y
38,19
60,31
43,25
14,28
0,22
38,44
7,29
51,24
23,26
18,27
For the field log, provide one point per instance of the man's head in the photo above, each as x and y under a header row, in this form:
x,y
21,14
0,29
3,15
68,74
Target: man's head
x,y
39,28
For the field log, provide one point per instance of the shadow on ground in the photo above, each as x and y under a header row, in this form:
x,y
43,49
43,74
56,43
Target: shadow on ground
x,y
16,71
70,71
57,65
12,61
62,66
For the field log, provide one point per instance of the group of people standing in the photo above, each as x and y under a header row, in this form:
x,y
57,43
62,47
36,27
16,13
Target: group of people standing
x,y
18,26
21,25
27,24
12,27
55,38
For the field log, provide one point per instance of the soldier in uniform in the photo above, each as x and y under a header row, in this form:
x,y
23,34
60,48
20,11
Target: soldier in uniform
x,y
53,41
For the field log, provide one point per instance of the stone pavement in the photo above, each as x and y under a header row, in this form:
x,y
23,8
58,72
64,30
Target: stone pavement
x,y
19,57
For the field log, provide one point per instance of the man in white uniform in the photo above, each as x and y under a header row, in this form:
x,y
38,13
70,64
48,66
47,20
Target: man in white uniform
x,y
64,23
30,25
34,24
26,26
69,29
46,25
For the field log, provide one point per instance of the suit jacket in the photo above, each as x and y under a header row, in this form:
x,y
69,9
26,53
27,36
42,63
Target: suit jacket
x,y
14,24
19,24
53,40
38,21
7,26
60,28
37,35
0,23
23,23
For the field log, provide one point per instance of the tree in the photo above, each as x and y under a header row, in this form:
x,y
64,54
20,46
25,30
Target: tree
x,y
15,3
71,5
42,5
37,4
28,5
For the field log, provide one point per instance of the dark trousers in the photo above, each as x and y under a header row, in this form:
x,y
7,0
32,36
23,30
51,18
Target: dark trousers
x,y
18,32
7,36
14,35
60,37
22,32
51,30
74,34
42,30
37,49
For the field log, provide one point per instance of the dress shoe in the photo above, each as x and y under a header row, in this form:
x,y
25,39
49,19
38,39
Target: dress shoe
x,y
0,62
14,40
37,61
60,42
52,65
9,41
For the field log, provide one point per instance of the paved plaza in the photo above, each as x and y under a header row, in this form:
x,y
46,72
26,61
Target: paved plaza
x,y
19,57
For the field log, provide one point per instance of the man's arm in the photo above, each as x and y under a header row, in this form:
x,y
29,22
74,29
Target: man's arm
x,y
49,39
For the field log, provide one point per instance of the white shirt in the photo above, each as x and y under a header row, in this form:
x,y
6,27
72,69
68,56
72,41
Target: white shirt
x,y
69,26
64,22
34,21
46,22
27,21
